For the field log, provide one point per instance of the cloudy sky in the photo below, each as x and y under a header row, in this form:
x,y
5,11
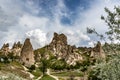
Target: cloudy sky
x,y
39,19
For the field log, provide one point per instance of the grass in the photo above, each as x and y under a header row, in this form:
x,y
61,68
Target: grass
x,y
68,73
14,68
36,73
47,77
10,76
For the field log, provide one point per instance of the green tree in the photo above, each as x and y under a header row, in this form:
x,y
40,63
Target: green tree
x,y
107,71
44,62
58,64
110,69
113,21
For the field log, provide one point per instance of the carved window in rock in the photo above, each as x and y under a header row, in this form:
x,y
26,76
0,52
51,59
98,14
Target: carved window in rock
x,y
27,59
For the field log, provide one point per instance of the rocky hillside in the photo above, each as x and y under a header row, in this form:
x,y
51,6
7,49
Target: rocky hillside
x,y
61,50
58,48
58,55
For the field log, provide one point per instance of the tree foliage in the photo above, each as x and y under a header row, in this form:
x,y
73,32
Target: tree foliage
x,y
113,21
109,69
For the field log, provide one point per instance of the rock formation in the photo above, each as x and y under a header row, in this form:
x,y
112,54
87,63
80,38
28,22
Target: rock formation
x,y
98,51
95,52
27,54
5,49
58,47
62,50
16,49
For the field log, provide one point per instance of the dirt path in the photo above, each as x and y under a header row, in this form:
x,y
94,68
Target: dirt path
x,y
48,72
31,75
39,77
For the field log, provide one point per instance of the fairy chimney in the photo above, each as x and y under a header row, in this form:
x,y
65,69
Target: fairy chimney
x,y
16,48
27,54
98,50
5,49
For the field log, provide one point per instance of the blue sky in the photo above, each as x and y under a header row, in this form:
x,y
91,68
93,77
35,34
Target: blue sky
x,y
39,19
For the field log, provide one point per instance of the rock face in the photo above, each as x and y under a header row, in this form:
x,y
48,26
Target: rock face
x,y
95,52
62,50
27,54
16,49
98,51
5,49
59,45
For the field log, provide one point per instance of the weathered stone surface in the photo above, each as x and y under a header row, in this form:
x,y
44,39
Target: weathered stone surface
x,y
5,49
16,45
59,45
16,49
95,52
62,50
27,54
98,51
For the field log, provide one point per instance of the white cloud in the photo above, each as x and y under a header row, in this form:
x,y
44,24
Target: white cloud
x,y
75,37
38,37
91,43
25,22
92,17
32,22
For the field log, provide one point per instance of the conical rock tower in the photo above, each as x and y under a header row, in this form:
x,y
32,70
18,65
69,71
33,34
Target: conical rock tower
x,y
27,54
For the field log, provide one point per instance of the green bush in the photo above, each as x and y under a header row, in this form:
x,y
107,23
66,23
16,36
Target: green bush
x,y
32,67
107,70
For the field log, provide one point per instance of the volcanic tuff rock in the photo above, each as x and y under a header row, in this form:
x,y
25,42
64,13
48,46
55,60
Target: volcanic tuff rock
x,y
16,49
27,54
58,48
95,52
71,54
5,49
98,51
62,50
59,45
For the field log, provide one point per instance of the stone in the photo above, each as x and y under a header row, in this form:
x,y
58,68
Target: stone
x,y
16,49
62,50
58,46
27,54
5,49
98,50
16,45
94,52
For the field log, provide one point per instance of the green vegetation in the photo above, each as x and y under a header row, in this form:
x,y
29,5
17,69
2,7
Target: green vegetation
x,y
46,77
58,64
36,72
109,69
68,73
11,76
44,61
14,68
93,68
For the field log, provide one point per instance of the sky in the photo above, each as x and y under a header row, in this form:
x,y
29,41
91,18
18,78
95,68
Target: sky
x,y
39,19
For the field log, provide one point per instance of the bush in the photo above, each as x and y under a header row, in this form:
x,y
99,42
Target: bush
x,y
107,71
32,67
